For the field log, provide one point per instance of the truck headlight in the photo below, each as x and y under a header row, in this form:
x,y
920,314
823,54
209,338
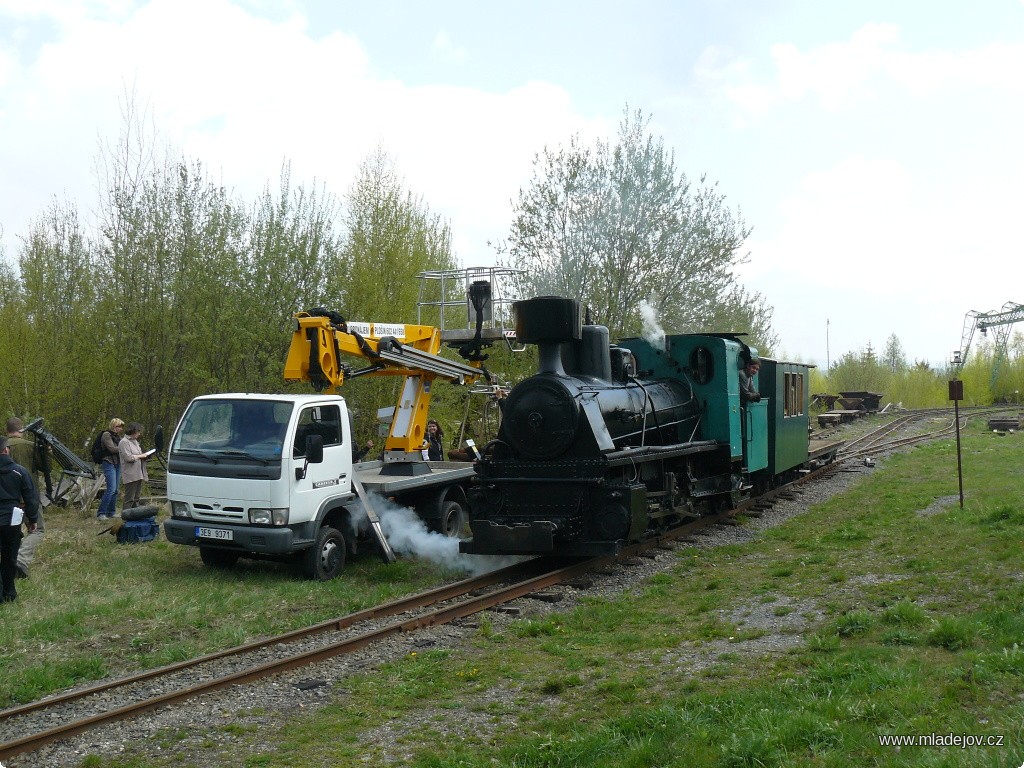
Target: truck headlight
x,y
180,509
264,516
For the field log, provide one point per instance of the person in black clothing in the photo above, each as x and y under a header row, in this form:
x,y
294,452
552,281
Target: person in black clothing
x,y
17,491
23,452
435,441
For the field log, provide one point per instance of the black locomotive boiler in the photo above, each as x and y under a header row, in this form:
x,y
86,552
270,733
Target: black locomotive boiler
x,y
607,443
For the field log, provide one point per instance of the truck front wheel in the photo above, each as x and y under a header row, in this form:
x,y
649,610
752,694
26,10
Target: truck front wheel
x,y
326,558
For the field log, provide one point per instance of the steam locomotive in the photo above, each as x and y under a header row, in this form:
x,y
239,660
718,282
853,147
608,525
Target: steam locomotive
x,y
608,443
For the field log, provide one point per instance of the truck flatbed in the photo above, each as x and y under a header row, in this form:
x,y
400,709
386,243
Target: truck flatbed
x,y
438,472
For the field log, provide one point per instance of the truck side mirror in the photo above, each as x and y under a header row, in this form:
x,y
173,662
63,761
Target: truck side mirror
x,y
158,439
314,449
314,454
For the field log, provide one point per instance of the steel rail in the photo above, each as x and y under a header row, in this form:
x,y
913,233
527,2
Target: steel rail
x,y
438,616
401,605
876,448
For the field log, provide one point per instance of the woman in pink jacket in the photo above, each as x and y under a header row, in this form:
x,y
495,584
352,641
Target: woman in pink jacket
x,y
133,465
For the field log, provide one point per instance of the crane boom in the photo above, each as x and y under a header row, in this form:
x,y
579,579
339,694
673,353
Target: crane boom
x,y
1000,321
320,338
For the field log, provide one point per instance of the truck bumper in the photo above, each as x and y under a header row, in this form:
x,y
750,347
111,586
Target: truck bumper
x,y
245,538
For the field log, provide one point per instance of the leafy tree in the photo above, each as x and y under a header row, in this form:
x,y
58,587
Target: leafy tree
x,y
49,340
858,372
293,260
894,358
617,224
390,237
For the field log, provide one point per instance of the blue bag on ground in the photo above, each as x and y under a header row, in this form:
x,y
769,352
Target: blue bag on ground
x,y
138,531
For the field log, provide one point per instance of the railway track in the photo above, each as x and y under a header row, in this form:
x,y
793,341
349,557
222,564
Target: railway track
x,y
127,697
145,691
174,683
887,436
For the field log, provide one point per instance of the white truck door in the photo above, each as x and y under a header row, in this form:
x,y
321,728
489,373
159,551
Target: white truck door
x,y
334,475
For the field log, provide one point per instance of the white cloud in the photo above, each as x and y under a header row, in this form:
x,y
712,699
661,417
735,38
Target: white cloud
x,y
843,75
443,49
866,244
243,93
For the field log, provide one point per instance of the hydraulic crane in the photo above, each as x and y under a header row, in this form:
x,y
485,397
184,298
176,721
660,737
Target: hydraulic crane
x,y
1000,323
320,339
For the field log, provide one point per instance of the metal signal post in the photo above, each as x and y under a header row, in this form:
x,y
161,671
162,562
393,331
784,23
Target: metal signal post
x,y
956,394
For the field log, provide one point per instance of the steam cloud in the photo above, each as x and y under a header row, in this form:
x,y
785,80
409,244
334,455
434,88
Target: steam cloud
x,y
652,332
408,535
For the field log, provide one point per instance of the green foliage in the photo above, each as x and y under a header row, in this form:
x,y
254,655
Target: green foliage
x,y
952,633
920,386
182,289
617,224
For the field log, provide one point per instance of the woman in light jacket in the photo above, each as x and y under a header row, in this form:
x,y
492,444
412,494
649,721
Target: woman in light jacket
x,y
133,465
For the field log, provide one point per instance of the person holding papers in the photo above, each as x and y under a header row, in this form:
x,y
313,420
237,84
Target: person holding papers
x,y
19,504
133,464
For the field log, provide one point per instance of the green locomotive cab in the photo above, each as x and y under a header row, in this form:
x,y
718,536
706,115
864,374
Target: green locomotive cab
x,y
711,363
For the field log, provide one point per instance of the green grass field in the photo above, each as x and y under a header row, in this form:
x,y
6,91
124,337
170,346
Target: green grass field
x,y
887,611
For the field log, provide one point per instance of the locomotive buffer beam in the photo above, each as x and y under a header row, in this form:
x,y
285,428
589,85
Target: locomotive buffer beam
x,y
536,536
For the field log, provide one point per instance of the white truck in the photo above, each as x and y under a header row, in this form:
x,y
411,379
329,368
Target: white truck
x,y
274,476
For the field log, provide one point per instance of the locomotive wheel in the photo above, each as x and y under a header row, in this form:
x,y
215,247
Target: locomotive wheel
x,y
326,558
454,520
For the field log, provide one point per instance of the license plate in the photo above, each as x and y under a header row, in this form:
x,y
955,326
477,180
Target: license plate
x,y
214,533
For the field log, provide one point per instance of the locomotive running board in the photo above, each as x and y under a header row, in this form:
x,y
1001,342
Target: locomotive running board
x,y
649,452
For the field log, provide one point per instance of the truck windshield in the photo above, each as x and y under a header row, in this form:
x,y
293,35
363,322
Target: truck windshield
x,y
234,428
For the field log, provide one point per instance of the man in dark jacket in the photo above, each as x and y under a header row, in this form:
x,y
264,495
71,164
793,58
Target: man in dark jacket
x,y
23,452
18,502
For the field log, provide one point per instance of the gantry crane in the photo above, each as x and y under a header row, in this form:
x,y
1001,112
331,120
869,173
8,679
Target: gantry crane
x,y
1000,322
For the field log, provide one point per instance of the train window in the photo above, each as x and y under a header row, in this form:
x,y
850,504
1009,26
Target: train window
x,y
702,365
793,402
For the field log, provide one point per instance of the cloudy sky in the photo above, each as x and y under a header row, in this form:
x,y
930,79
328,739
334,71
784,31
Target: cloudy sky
x,y
875,148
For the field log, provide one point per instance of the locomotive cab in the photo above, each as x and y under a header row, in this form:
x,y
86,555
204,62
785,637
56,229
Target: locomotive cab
x,y
712,363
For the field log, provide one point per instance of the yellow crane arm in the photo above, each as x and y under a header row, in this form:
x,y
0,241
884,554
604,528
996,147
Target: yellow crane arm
x,y
315,355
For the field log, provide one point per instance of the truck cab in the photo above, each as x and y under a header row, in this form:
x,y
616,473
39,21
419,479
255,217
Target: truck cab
x,y
272,477
239,480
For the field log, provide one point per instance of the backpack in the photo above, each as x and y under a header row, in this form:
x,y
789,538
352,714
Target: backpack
x,y
138,531
99,453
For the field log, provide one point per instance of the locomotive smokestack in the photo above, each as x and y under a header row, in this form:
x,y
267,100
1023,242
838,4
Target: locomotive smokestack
x,y
548,322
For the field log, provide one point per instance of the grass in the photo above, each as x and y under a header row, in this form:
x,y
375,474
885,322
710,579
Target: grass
x,y
862,618
93,608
